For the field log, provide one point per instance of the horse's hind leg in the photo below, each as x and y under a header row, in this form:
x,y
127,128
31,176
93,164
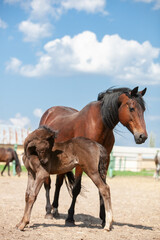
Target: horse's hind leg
x,y
105,193
7,164
47,186
59,182
9,170
32,191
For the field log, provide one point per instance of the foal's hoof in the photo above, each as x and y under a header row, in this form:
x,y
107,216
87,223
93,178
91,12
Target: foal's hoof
x,y
55,213
106,226
20,226
69,223
49,216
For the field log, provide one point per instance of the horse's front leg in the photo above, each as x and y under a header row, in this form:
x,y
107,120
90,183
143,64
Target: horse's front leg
x,y
75,192
32,191
59,182
47,186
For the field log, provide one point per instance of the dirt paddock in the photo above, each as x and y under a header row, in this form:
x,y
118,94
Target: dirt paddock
x,y
135,202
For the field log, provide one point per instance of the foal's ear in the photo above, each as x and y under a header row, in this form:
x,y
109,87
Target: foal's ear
x,y
143,92
31,148
134,91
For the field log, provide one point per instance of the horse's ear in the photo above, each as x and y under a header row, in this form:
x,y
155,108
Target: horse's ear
x,y
31,148
143,92
134,91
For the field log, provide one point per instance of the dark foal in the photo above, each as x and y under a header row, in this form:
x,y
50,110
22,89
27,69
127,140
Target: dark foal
x,y
96,121
42,157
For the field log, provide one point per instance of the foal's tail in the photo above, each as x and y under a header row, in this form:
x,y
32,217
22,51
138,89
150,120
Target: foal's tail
x,y
103,163
69,180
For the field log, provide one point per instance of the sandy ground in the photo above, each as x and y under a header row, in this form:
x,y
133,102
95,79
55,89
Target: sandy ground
x,y
135,202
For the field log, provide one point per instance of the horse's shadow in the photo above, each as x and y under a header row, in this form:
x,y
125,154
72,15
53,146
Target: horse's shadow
x,y
88,221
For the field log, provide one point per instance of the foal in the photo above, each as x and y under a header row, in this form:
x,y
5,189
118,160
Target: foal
x,y
42,157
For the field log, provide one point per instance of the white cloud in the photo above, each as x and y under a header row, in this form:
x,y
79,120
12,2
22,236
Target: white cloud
x,y
3,24
38,112
20,121
155,2
34,31
113,56
41,8
13,65
38,25
91,6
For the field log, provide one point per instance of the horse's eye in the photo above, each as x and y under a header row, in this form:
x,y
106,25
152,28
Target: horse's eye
x,y
131,109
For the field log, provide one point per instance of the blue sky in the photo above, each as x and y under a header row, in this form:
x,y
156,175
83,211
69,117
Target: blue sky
x,y
64,52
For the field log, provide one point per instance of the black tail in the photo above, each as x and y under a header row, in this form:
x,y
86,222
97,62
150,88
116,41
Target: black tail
x,y
69,180
18,165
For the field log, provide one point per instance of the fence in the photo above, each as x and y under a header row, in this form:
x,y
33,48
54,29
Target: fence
x,y
132,158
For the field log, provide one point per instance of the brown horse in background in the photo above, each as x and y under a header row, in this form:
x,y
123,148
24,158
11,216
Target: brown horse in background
x,y
7,155
95,121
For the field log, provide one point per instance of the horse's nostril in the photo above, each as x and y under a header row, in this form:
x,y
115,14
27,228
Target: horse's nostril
x,y
140,138
143,137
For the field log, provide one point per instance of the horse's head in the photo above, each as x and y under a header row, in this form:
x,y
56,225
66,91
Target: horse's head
x,y
40,143
131,113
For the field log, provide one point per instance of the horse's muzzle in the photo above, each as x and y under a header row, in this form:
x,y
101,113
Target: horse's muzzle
x,y
140,138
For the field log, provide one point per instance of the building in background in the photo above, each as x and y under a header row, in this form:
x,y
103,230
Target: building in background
x,y
13,137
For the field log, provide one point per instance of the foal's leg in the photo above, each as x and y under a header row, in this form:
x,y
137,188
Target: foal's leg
x,y
47,186
59,182
105,193
75,192
32,191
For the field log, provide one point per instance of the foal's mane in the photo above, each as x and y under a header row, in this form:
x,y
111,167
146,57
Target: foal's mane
x,y
110,104
47,129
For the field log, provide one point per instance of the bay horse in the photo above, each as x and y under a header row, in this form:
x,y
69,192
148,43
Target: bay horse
x,y
42,157
95,121
7,155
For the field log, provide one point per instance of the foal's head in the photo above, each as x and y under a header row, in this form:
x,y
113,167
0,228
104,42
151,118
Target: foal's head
x,y
40,143
127,106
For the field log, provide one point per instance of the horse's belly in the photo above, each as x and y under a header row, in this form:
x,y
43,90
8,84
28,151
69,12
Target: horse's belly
x,y
63,165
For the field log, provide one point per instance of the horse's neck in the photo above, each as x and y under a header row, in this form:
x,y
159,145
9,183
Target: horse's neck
x,y
96,129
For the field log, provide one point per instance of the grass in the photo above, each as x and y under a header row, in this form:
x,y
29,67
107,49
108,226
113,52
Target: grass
x,y
142,173
11,168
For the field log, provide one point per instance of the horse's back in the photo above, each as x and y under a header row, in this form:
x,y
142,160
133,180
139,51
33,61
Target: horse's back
x,y
3,155
60,112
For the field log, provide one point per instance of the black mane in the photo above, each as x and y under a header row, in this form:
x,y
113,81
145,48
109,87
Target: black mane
x,y
110,104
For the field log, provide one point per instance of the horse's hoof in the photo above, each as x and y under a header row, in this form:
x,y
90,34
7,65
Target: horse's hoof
x,y
20,226
69,223
106,226
49,216
55,213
